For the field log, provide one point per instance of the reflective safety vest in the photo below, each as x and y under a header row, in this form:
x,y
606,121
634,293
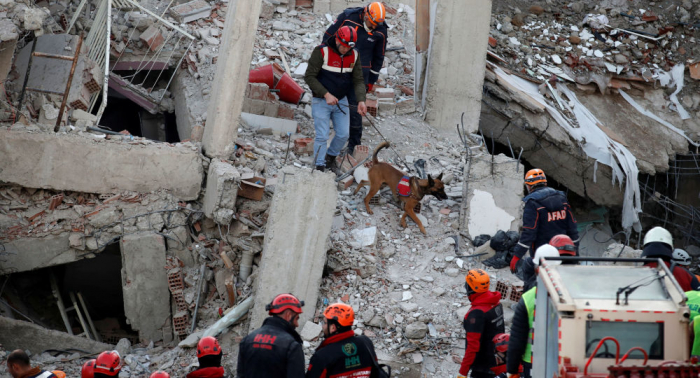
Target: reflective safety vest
x,y
696,340
529,300
693,303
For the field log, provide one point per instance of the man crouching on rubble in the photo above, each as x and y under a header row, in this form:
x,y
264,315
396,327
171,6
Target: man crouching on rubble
x,y
334,71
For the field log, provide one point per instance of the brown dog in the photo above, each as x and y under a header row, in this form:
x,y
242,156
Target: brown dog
x,y
383,173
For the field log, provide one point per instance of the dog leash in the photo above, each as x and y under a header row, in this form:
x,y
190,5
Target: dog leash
x,y
381,135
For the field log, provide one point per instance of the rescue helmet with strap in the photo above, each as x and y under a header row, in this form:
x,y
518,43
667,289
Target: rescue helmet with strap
x,y
500,341
284,302
160,374
208,346
88,369
681,257
108,363
544,251
347,36
478,280
341,313
564,244
535,177
376,13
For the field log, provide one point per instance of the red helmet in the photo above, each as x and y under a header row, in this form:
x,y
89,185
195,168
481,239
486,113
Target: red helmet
x,y
88,370
347,36
500,341
208,346
108,363
283,302
564,244
160,374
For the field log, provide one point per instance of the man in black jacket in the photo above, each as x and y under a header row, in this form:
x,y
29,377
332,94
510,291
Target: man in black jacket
x,y
342,354
275,349
371,44
547,213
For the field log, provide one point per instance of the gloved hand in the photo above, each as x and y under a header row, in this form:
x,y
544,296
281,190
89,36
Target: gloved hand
x,y
370,87
514,263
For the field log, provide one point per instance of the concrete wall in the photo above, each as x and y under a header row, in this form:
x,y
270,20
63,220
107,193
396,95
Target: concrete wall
x,y
457,62
18,334
494,197
35,253
85,164
296,240
145,284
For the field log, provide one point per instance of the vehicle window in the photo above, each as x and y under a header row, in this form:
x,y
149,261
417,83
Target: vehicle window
x,y
648,336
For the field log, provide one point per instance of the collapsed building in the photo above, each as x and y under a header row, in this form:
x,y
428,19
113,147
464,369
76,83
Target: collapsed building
x,y
136,206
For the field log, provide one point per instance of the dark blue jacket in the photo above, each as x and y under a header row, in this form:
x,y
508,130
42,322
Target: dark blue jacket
x,y
547,213
370,46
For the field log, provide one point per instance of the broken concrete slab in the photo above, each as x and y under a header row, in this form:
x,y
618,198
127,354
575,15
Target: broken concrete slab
x,y
191,11
278,125
53,161
27,254
222,189
145,284
18,334
494,197
294,253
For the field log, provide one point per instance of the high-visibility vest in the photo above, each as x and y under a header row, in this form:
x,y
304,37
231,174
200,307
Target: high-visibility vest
x,y
529,300
693,303
696,340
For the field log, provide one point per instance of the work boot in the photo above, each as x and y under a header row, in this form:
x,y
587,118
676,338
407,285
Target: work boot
x,y
321,168
350,150
331,164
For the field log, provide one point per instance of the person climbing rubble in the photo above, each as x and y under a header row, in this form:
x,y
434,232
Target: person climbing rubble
x,y
275,349
18,365
483,322
658,243
108,364
372,35
519,357
332,74
209,355
547,213
342,354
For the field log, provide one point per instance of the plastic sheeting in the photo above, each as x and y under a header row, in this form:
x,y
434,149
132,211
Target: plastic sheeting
x,y
675,78
594,141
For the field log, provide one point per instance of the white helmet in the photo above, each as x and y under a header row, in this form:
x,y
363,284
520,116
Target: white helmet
x,y
546,250
681,257
658,234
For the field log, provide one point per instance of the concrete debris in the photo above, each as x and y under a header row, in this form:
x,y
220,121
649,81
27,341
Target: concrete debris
x,y
310,331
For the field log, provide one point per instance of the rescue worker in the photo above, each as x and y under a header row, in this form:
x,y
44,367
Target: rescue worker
x,y
18,366
483,322
108,364
371,44
342,353
88,369
565,246
521,331
547,213
209,355
275,349
500,344
658,243
333,74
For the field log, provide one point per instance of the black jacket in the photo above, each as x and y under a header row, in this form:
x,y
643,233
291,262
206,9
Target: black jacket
x,y
371,47
529,275
547,213
483,322
519,334
343,355
273,350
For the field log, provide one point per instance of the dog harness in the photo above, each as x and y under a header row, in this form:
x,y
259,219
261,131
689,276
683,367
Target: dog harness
x,y
404,187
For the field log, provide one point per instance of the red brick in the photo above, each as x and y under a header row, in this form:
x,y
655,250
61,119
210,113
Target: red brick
x,y
259,91
695,70
285,111
492,42
152,37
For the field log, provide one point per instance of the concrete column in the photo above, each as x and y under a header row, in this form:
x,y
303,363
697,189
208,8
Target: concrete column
x,y
457,62
233,65
145,284
296,240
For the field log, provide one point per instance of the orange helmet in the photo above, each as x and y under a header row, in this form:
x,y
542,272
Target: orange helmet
x,y
564,244
283,302
534,177
160,374
108,363
208,346
347,36
375,14
59,374
88,370
501,342
341,313
478,280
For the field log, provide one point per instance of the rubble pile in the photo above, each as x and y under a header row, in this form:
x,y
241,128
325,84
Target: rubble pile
x,y
601,47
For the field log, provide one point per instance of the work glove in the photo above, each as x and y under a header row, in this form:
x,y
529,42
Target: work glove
x,y
514,263
370,87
